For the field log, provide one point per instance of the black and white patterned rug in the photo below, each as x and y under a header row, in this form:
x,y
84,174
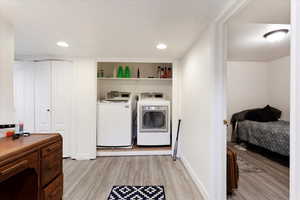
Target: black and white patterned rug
x,y
126,192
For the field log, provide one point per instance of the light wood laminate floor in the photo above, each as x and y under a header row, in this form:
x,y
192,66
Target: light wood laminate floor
x,y
93,180
270,184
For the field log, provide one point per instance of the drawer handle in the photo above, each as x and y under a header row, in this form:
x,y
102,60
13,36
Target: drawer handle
x,y
14,167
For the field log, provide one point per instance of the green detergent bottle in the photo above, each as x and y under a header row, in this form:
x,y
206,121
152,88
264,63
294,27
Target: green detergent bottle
x,y
127,72
120,72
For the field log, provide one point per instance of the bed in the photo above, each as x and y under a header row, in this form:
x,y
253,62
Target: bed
x,y
268,132
273,136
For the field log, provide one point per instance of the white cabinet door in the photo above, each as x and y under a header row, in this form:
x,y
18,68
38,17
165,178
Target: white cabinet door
x,y
62,77
24,94
42,97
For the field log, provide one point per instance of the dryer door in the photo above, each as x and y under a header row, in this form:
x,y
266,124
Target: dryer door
x,y
154,119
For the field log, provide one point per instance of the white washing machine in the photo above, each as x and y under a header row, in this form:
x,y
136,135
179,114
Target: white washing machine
x,y
114,127
153,122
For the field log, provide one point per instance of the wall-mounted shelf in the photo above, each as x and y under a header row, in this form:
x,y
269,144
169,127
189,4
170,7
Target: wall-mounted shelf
x,y
137,79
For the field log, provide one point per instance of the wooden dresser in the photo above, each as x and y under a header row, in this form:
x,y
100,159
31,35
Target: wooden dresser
x,y
31,168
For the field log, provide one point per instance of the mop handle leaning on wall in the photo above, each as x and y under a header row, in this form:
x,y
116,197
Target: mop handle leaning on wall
x,y
176,142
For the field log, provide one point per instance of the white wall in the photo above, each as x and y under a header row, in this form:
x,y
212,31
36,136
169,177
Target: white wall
x,y
84,109
176,103
247,86
279,85
197,88
7,111
257,84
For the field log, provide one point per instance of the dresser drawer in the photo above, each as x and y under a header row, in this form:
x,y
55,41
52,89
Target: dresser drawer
x,y
14,167
54,190
51,148
51,166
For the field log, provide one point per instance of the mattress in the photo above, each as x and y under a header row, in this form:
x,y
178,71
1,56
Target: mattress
x,y
273,136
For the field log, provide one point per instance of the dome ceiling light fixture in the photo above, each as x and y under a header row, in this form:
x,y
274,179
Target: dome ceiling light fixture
x,y
276,35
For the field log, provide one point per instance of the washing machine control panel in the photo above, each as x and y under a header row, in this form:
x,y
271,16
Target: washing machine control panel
x,y
150,108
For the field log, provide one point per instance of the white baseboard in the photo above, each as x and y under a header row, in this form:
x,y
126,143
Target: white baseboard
x,y
194,177
133,153
84,157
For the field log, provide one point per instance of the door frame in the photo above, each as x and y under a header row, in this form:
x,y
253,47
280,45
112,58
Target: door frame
x,y
220,94
295,98
221,98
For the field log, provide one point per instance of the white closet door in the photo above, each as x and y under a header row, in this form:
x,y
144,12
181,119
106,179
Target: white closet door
x,y
43,97
24,94
62,77
19,76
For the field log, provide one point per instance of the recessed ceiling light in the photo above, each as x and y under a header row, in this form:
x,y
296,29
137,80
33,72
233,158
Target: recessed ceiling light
x,y
62,44
277,35
161,46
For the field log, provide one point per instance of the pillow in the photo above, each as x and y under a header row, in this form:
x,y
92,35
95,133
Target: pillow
x,y
253,115
276,113
266,114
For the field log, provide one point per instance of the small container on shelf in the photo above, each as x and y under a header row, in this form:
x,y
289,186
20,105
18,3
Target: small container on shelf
x,y
115,71
127,72
166,73
161,72
138,73
169,73
158,72
102,73
120,72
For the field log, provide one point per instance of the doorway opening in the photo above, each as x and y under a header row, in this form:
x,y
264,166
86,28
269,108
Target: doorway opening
x,y
258,99
134,108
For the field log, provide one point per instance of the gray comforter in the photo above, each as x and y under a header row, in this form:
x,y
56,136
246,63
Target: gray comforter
x,y
274,136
